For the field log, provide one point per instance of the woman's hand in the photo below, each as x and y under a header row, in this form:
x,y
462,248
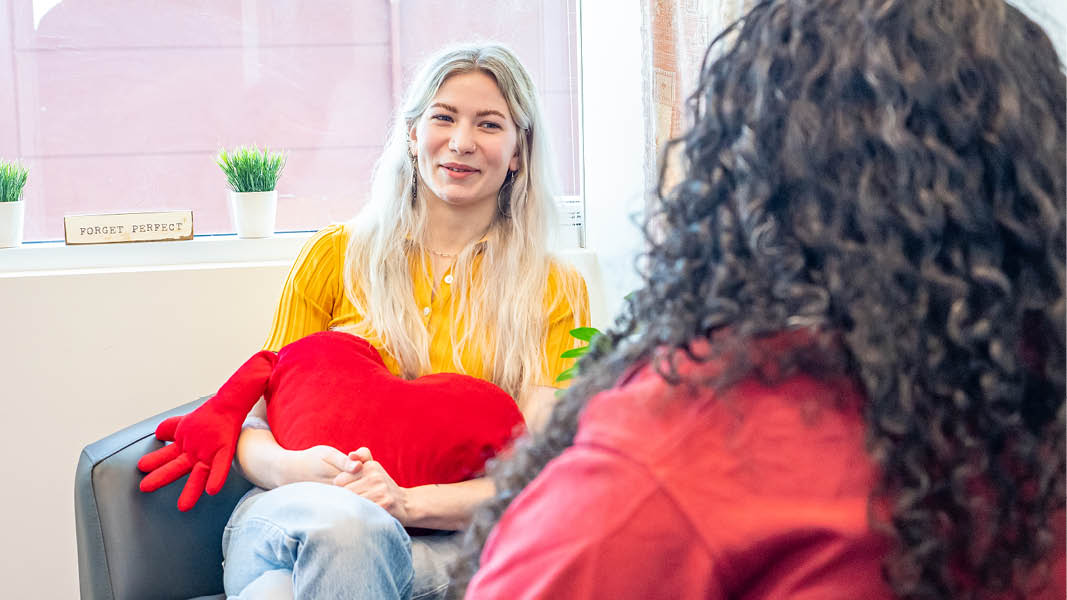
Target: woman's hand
x,y
317,463
445,506
366,477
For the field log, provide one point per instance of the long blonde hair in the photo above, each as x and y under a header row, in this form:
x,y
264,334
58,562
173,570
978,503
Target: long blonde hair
x,y
506,303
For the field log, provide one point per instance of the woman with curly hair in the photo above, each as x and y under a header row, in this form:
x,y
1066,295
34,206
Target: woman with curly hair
x,y
844,375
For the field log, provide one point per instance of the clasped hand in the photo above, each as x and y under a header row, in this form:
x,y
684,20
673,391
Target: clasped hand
x,y
357,472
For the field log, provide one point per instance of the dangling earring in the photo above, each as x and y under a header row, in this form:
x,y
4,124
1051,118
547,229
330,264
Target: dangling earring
x,y
503,199
414,179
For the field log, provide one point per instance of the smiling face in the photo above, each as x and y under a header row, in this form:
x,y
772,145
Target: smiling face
x,y
465,142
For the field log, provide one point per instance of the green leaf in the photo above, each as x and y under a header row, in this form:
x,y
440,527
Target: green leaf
x,y
575,352
585,333
12,180
249,169
567,374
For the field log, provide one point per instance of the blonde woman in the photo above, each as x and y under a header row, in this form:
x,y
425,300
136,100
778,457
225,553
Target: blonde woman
x,y
446,269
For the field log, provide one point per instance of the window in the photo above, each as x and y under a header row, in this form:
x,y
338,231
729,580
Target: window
x,y
121,105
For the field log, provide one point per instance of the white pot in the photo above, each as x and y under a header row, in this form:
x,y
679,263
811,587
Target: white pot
x,y
12,216
254,213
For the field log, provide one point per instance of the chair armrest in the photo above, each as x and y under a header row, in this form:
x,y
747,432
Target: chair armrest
x,y
133,545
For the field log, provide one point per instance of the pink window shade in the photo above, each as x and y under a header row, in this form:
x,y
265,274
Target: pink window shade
x,y
121,105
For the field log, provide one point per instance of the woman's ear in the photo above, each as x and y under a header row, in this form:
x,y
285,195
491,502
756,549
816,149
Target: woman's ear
x,y
513,164
413,140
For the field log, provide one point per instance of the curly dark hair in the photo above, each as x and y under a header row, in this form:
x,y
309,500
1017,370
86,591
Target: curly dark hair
x,y
889,176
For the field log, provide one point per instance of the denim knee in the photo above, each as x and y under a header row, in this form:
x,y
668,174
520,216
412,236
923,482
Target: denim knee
x,y
330,538
345,521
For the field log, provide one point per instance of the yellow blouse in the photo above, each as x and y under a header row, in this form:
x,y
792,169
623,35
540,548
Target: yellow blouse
x,y
313,299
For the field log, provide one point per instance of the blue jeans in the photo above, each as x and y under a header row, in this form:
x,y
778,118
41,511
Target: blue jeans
x,y
312,540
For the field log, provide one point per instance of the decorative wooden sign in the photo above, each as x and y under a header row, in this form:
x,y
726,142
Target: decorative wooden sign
x,y
128,227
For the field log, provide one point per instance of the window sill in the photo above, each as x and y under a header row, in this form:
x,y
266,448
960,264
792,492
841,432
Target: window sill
x,y
210,251
217,250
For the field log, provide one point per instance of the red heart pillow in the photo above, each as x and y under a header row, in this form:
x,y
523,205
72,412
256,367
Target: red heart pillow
x,y
332,388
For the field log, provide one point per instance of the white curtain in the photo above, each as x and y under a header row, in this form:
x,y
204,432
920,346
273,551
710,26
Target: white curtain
x,y
677,34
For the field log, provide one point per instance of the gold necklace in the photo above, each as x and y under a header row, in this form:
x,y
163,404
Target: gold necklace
x,y
450,254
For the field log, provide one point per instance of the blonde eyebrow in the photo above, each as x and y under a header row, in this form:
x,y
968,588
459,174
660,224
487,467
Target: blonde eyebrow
x,y
479,114
484,113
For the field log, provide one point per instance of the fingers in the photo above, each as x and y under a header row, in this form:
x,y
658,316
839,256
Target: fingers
x,y
194,487
367,476
344,478
167,473
334,457
367,488
362,455
201,476
220,468
377,488
349,475
165,430
157,458
353,464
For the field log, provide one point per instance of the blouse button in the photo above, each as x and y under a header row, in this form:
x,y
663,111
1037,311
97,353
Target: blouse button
x,y
426,311
448,279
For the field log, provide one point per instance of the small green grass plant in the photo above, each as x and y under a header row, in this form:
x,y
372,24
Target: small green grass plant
x,y
12,180
249,169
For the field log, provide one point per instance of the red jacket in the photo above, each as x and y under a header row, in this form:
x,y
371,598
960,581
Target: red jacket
x,y
759,493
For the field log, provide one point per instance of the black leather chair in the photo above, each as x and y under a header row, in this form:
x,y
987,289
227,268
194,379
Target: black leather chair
x,y
137,546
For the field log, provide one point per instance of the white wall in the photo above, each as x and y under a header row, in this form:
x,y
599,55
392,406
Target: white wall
x,y
84,353
613,140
